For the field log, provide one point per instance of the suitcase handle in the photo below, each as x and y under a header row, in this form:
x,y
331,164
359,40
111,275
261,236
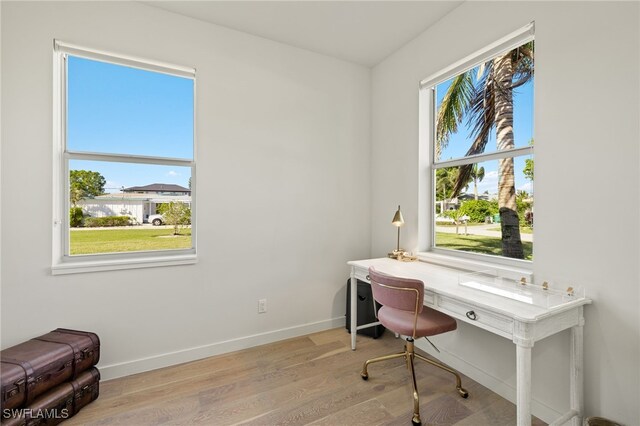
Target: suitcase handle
x,y
54,374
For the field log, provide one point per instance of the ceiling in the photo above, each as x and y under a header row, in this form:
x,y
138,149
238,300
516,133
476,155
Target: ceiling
x,y
364,32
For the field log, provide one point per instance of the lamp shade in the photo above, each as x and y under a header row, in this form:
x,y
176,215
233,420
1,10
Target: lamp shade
x,y
398,220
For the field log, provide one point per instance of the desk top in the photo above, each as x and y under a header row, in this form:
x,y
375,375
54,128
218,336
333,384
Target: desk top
x,y
444,281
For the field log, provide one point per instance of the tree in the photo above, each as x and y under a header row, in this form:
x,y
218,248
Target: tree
x,y
525,208
528,166
85,184
457,216
528,169
489,105
477,174
176,214
445,182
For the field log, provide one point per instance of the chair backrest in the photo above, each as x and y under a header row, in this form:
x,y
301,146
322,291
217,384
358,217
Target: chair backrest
x,y
399,293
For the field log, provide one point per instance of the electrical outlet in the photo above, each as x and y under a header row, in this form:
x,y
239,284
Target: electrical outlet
x,y
262,306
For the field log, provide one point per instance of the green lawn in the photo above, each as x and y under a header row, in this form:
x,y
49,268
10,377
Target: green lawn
x,y
477,244
523,230
90,241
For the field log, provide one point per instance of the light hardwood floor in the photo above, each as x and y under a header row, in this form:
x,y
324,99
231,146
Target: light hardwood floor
x,y
313,379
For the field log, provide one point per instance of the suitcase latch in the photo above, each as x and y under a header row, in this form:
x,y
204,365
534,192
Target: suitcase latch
x,y
13,391
82,391
10,393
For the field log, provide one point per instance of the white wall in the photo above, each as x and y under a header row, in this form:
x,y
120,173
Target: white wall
x,y
587,133
283,187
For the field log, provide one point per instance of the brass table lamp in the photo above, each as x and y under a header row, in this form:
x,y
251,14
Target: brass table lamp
x,y
397,221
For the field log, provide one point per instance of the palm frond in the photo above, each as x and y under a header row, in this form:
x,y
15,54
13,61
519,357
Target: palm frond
x,y
523,64
453,107
482,121
477,172
481,106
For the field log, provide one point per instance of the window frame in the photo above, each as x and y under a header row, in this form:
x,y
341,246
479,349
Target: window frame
x,y
62,261
428,166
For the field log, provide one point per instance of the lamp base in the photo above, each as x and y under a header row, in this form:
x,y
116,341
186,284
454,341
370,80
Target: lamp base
x,y
395,254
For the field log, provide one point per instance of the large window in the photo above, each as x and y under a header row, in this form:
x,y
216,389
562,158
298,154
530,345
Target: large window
x,y
124,172
479,127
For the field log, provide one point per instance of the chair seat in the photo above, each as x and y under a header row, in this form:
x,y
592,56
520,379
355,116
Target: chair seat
x,y
430,322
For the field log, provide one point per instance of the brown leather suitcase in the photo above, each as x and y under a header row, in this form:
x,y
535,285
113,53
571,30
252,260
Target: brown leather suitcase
x,y
33,367
58,404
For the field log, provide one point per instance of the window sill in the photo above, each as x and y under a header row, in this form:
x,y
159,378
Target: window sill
x,y
458,262
84,265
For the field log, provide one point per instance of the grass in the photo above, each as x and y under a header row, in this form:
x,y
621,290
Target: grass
x,y
453,225
91,241
523,230
477,244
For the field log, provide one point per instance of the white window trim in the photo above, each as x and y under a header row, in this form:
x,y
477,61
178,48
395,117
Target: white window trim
x,y
502,266
62,263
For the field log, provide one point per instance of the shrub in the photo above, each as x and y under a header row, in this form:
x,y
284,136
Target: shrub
x,y
477,210
93,222
176,214
75,217
522,211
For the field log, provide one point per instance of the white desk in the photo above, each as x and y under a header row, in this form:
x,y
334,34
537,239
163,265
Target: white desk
x,y
523,324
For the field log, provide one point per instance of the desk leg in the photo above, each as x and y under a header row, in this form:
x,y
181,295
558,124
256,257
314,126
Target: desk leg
x,y
523,385
576,381
354,309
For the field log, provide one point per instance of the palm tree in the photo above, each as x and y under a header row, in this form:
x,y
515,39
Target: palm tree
x,y
489,104
445,183
477,174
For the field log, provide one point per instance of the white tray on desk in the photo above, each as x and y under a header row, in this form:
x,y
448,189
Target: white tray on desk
x,y
547,295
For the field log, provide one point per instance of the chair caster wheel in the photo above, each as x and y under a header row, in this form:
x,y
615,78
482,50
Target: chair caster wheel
x,y
463,393
364,376
416,422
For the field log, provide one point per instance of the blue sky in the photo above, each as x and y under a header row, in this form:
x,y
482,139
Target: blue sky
x,y
460,142
121,110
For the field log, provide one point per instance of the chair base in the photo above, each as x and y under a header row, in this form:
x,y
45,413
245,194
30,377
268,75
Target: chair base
x,y
409,354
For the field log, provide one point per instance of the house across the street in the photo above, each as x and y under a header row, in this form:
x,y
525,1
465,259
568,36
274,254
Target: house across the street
x,y
138,201
159,188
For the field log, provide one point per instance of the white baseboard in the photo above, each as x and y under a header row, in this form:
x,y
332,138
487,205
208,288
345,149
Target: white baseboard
x,y
127,368
505,390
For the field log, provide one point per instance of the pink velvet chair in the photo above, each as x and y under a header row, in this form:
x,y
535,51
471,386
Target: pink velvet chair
x,y
403,312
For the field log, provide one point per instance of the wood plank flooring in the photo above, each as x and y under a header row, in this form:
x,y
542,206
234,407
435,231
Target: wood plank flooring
x,y
313,379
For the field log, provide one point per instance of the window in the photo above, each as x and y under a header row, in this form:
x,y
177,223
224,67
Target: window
x,y
124,163
477,122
